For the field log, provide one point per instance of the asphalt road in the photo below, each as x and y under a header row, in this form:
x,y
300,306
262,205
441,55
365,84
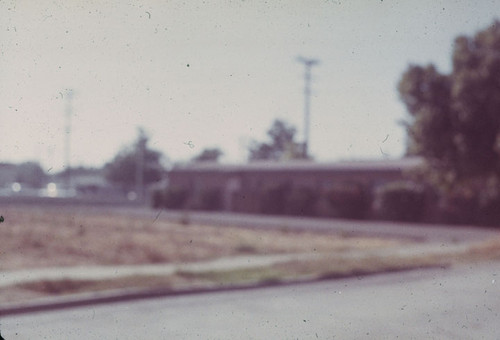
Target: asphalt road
x,y
460,303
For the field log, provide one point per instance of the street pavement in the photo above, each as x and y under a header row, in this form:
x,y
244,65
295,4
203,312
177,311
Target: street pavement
x,y
453,303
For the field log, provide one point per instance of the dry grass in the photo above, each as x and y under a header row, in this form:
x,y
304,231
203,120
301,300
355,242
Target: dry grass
x,y
66,286
487,250
36,237
324,266
293,271
332,265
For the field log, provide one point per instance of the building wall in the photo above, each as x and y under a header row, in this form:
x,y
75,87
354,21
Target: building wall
x,y
241,186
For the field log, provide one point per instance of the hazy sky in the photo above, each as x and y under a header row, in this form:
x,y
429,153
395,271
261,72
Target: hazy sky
x,y
199,74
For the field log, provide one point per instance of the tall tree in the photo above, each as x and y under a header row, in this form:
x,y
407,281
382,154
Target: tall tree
x,y
135,164
282,145
455,118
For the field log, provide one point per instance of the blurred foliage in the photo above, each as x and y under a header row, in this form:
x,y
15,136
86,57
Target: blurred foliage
x,y
170,197
123,169
211,199
282,145
273,198
455,119
301,201
349,200
476,202
209,155
31,174
157,198
401,201
175,198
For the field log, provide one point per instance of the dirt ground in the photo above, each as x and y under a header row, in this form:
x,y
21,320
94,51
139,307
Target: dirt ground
x,y
35,236
47,237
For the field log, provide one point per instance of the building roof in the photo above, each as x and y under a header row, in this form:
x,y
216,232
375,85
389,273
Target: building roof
x,y
8,166
266,166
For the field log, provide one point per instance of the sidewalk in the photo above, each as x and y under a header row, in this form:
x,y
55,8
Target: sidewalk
x,y
8,278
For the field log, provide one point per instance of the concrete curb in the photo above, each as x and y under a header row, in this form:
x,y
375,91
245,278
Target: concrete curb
x,y
118,296
123,296
76,300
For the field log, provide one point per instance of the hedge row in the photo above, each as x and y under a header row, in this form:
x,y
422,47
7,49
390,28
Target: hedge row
x,y
396,201
401,201
180,198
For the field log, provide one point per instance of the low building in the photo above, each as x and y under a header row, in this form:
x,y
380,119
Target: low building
x,y
240,186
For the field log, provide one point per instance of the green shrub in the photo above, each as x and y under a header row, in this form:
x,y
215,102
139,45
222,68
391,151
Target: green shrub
x,y
273,198
211,199
475,208
175,198
157,198
349,200
401,201
489,212
474,200
301,201
457,209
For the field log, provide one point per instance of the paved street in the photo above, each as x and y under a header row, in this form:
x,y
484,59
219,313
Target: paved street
x,y
460,303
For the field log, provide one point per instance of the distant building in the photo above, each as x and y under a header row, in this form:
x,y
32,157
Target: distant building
x,y
83,182
88,180
23,179
8,174
240,185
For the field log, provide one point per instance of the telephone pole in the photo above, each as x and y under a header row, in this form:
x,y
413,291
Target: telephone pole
x,y
308,63
67,139
140,166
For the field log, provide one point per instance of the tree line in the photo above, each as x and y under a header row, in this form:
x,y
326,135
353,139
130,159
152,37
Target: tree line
x,y
139,162
122,169
454,125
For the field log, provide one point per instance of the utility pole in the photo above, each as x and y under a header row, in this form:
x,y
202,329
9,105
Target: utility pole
x,y
140,166
308,63
67,139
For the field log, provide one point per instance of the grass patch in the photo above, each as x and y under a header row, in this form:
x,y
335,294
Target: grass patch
x,y
320,267
37,237
486,250
235,277
330,267
68,286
